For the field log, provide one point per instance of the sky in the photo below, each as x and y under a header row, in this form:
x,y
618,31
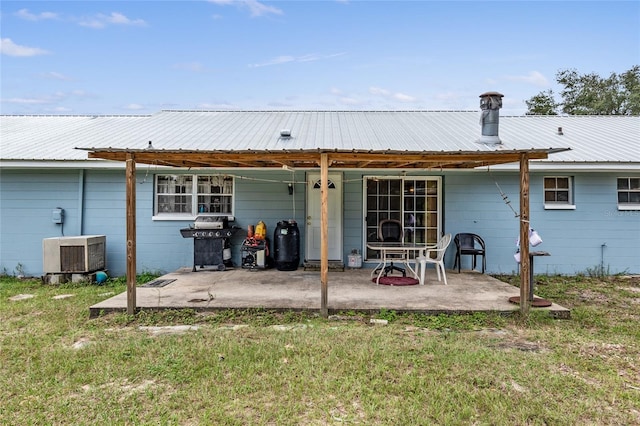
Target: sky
x,y
141,57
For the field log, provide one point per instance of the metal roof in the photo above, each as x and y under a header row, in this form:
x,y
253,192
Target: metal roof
x,y
594,139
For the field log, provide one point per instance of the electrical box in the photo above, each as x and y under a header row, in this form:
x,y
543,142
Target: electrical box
x,y
57,216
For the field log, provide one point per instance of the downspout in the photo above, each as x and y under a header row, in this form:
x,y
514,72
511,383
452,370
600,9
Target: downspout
x,y
80,202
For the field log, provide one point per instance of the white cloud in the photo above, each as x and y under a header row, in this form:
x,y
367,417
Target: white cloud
x,y
119,19
49,99
209,106
78,93
447,96
403,97
398,96
274,61
52,75
91,23
27,101
26,15
534,77
190,66
134,107
258,9
346,100
100,21
254,7
61,109
379,91
9,48
310,57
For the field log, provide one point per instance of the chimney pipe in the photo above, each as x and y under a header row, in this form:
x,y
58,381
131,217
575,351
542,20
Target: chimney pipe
x,y
490,104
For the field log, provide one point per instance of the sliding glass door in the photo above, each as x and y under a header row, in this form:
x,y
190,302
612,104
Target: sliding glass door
x,y
415,201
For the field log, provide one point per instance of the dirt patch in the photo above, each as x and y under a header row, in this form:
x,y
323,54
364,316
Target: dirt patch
x,y
632,280
520,345
21,297
588,295
169,329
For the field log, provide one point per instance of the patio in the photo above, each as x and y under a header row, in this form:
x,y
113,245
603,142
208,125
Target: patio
x,y
350,290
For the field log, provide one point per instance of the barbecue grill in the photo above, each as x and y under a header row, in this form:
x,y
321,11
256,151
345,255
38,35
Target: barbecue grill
x,y
210,241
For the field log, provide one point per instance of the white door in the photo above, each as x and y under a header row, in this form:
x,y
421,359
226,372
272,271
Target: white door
x,y
314,198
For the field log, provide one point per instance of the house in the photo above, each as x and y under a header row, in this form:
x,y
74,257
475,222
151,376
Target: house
x,y
430,169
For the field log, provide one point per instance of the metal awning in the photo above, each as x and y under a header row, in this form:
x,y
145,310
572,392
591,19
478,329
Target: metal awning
x,y
347,159
323,159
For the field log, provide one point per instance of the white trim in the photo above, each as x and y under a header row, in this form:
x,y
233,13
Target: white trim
x,y
535,166
64,164
168,217
194,198
559,206
80,164
628,207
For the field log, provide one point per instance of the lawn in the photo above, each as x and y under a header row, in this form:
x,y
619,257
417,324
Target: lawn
x,y
258,367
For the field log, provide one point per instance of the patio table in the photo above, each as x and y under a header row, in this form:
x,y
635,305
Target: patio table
x,y
406,248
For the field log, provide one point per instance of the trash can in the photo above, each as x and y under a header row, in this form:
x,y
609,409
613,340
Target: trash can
x,y
286,242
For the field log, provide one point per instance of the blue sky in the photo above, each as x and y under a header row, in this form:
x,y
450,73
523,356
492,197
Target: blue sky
x,y
139,57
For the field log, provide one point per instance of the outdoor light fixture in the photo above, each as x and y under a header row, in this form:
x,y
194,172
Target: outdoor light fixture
x,y
290,186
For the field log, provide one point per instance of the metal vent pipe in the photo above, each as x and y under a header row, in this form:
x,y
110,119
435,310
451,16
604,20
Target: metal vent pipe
x,y
490,104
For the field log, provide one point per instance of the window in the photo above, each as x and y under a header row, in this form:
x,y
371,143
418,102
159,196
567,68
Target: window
x,y
414,201
177,195
558,192
629,193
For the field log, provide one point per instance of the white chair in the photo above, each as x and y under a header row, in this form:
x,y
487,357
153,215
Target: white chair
x,y
439,249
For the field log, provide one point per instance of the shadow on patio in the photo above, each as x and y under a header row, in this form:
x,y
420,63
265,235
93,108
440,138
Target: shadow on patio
x,y
351,290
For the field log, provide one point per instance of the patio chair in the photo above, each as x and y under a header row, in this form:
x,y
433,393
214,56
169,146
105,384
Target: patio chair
x,y
471,245
439,250
391,230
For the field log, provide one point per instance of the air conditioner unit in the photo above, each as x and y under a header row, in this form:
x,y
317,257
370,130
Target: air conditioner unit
x,y
82,254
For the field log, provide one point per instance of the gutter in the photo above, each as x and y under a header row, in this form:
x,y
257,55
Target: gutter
x,y
537,165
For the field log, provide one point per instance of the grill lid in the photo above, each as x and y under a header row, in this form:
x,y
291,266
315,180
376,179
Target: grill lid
x,y
211,222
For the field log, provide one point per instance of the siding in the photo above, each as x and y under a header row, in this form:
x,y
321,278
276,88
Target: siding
x,y
471,202
577,236
26,202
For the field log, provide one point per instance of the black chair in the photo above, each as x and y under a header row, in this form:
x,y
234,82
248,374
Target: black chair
x,y
472,245
391,230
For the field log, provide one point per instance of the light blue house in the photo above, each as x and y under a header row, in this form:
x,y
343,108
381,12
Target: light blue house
x,y
584,201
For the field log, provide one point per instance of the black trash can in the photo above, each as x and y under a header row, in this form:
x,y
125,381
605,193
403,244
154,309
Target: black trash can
x,y
286,241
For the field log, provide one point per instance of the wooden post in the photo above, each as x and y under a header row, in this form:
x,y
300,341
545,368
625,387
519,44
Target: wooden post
x,y
324,233
131,233
525,264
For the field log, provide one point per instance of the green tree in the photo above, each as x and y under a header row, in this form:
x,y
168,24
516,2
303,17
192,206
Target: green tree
x,y
591,94
542,104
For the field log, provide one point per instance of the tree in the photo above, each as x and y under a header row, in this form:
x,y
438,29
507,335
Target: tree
x,y
542,104
590,94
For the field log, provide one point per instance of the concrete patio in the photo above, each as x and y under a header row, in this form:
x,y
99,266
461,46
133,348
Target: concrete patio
x,y
350,290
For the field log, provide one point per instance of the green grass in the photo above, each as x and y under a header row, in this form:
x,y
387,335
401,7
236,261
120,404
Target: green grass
x,y
261,367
